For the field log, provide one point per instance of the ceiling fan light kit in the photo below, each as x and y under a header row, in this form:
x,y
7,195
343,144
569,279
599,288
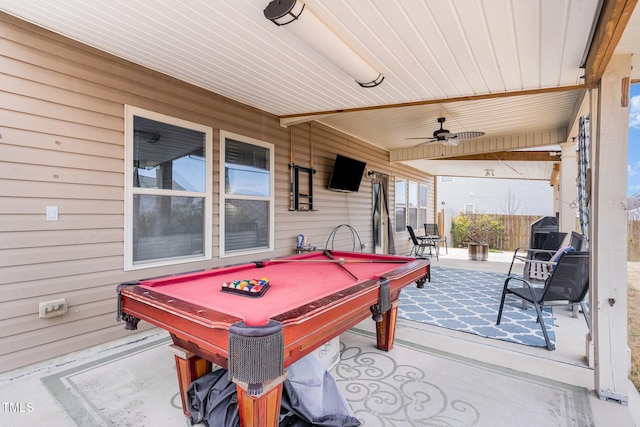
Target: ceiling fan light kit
x,y
444,137
301,22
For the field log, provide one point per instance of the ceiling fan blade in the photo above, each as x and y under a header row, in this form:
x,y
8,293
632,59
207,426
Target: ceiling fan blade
x,y
468,135
421,137
422,144
451,142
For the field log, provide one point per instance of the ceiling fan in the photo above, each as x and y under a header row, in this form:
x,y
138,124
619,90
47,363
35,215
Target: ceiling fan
x,y
445,137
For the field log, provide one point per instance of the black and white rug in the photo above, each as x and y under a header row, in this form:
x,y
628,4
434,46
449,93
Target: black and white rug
x,y
412,385
468,301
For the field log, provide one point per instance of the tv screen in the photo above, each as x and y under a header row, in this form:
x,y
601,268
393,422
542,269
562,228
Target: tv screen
x,y
347,174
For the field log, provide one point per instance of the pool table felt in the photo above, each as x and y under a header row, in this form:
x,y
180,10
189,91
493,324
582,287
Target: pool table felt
x,y
292,284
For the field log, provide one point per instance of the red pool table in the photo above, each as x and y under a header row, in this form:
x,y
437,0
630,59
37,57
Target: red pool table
x,y
311,298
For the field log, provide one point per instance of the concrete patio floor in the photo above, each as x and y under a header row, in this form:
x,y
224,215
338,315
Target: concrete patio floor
x,y
567,363
96,386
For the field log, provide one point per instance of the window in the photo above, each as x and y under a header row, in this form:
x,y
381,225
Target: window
x,y
167,190
247,195
468,208
446,179
413,205
401,205
422,207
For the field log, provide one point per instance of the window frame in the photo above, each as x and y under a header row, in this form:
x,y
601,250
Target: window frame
x,y
223,196
402,205
413,194
423,204
130,190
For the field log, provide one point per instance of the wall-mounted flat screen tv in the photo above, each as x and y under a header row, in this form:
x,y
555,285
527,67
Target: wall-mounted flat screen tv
x,y
347,174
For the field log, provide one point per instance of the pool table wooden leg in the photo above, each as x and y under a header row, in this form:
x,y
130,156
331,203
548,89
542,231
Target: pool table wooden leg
x,y
262,410
386,329
189,367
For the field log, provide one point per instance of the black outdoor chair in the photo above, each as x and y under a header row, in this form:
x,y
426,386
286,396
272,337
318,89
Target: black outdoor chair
x,y
537,263
576,241
431,232
419,244
567,286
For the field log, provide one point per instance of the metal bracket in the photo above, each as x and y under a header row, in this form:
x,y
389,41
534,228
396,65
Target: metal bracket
x,y
612,396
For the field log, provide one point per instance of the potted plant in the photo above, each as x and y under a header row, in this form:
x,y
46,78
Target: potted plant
x,y
481,233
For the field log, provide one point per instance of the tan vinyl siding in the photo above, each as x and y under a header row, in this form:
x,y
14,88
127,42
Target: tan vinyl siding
x,y
62,144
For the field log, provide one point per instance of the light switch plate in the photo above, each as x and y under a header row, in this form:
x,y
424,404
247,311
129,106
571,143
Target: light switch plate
x,y
52,213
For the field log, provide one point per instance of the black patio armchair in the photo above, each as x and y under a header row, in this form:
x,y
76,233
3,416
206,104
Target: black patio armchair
x,y
419,244
431,232
567,286
537,261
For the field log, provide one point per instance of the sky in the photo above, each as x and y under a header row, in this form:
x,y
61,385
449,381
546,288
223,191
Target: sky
x,y
633,181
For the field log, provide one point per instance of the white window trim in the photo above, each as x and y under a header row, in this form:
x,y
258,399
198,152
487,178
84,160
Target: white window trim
x,y
129,190
405,205
424,208
223,196
416,184
420,184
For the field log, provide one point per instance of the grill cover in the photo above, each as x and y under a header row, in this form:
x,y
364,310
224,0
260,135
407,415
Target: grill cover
x,y
539,230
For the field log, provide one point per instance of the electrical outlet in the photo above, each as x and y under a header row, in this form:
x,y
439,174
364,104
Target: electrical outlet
x,y
53,308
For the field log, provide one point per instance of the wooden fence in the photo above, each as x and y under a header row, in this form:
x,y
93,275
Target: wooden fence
x,y
516,230
633,241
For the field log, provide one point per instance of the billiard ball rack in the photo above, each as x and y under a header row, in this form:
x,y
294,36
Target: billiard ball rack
x,y
244,292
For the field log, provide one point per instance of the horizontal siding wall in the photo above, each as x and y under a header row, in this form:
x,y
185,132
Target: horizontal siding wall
x,y
62,144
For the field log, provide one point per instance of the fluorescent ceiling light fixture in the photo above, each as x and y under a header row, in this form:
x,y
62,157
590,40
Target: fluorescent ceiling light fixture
x,y
301,22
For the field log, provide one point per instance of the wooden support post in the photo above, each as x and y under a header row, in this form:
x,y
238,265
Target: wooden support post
x,y
608,236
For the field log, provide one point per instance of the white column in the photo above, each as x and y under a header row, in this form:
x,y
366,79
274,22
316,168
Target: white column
x,y
608,225
568,175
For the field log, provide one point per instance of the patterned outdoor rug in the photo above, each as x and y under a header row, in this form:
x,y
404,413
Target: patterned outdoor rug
x,y
468,301
416,385
412,385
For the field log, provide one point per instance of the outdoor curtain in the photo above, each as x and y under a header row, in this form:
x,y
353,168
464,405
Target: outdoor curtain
x,y
383,185
391,247
583,179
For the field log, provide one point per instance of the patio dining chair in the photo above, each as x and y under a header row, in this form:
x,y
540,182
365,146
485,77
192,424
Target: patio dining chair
x,y
431,232
419,244
567,286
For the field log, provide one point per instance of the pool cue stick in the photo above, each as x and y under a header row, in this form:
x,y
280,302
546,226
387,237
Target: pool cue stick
x,y
340,261
328,253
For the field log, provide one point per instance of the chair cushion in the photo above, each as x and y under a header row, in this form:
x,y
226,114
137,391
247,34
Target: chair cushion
x,y
556,257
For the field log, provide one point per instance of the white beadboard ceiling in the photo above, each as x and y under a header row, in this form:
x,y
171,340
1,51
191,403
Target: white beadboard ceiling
x,y
435,55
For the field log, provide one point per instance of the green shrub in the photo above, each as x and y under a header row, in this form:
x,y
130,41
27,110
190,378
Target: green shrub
x,y
476,228
460,230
